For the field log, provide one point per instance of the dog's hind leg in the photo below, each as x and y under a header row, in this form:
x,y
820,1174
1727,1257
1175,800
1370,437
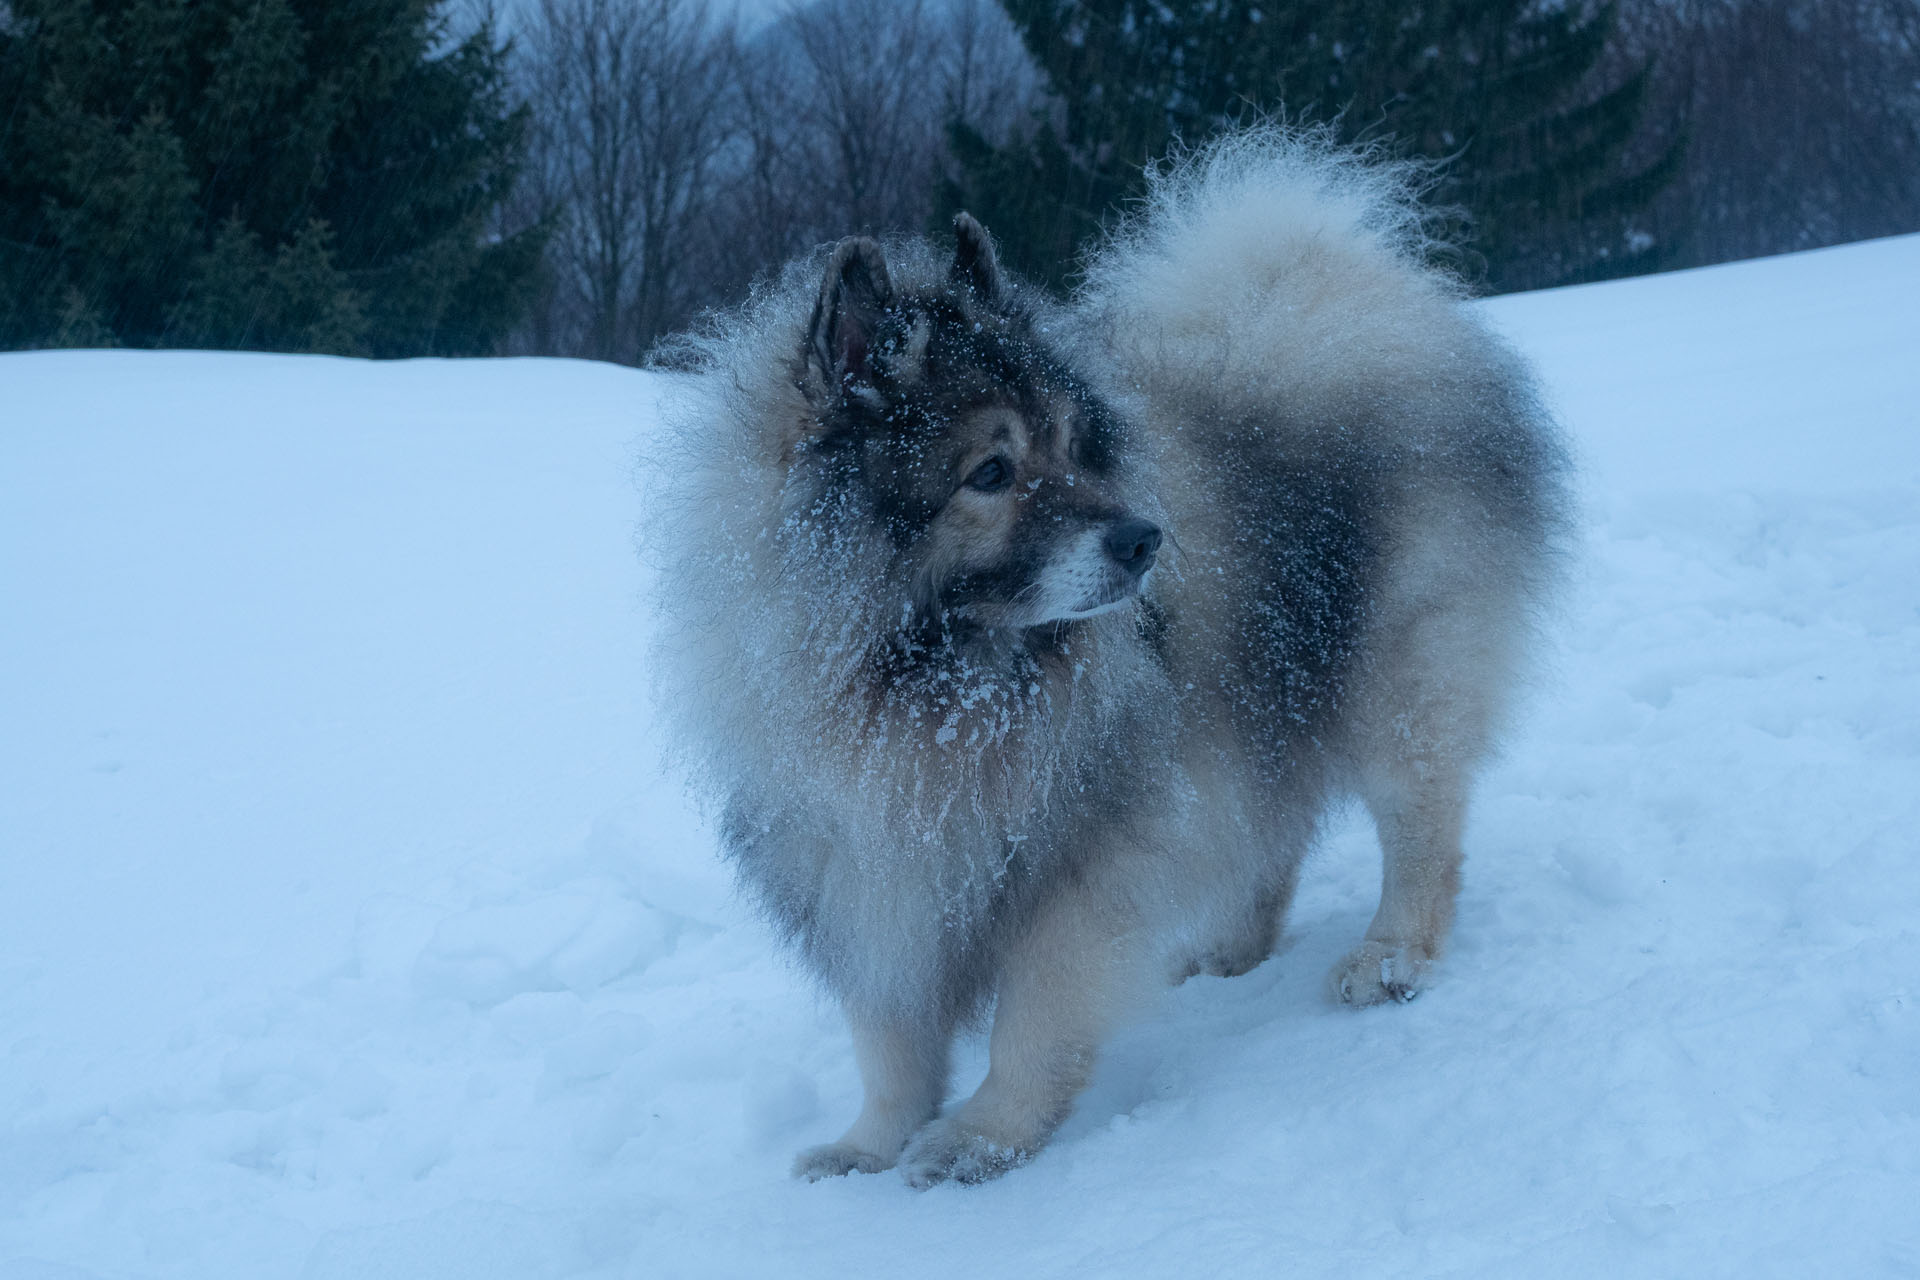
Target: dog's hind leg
x,y
1419,808
1424,717
903,1069
1060,989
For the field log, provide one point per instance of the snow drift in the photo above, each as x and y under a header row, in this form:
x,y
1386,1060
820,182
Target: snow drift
x,y
349,926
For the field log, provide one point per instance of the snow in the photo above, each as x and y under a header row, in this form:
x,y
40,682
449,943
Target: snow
x,y
350,925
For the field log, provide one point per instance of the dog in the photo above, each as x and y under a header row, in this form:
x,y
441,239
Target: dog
x,y
1020,646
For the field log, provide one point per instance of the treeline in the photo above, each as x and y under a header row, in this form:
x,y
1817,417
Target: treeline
x,y
1801,120
258,174
578,177
674,156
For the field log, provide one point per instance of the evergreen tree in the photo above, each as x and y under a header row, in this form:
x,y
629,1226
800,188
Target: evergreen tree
x,y
276,174
1502,91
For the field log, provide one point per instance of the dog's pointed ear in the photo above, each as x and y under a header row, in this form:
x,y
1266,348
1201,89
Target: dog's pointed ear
x,y
973,262
853,297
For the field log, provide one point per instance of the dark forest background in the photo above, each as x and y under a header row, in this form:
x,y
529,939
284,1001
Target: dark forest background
x,y
579,177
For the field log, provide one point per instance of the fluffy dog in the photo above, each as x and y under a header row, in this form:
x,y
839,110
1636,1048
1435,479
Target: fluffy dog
x,y
1021,646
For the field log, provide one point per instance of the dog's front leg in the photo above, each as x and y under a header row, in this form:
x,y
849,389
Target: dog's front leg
x,y
903,1067
1060,990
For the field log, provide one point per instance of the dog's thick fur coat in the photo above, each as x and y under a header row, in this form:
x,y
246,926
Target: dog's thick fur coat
x,y
977,736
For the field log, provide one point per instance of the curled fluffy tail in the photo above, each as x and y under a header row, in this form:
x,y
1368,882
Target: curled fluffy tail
x,y
1280,261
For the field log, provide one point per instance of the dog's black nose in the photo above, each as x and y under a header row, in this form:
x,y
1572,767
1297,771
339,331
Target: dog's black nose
x,y
1132,543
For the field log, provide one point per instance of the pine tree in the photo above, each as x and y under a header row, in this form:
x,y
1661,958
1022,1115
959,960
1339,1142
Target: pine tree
x,y
1502,92
1507,94
1127,77
276,174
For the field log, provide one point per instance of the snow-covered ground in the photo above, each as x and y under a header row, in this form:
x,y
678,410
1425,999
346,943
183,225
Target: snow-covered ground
x,y
349,926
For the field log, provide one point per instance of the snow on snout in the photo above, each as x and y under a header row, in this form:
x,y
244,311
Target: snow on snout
x,y
1080,580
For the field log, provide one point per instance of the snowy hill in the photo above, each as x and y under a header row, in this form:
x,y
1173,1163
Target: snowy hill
x,y
349,926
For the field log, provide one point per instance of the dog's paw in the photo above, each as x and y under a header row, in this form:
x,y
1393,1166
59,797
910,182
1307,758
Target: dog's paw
x,y
1376,972
834,1159
947,1151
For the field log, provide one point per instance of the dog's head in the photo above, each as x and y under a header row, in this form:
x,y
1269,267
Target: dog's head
x,y
995,472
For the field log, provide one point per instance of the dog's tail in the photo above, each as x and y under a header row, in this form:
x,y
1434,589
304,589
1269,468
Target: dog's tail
x,y
1282,255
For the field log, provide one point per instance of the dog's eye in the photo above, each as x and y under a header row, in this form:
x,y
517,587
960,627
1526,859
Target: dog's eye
x,y
990,475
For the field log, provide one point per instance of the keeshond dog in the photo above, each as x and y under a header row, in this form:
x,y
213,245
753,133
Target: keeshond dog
x,y
1021,646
